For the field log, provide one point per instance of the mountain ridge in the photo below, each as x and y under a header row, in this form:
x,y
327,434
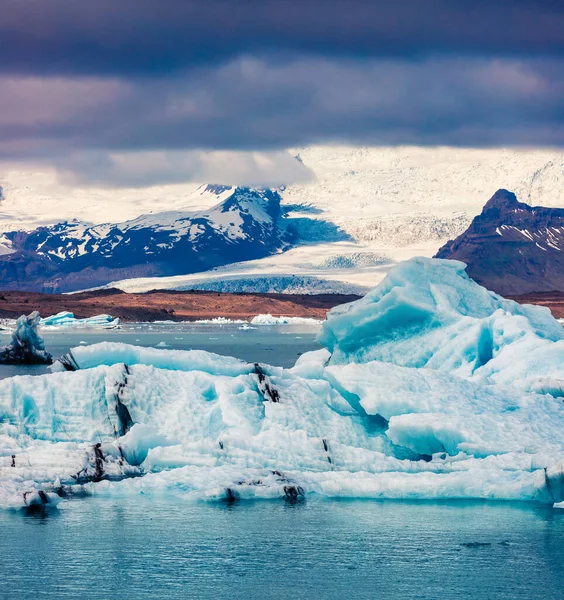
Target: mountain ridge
x,y
395,202
512,248
69,255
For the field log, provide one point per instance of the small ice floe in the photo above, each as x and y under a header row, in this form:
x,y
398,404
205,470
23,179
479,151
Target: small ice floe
x,y
162,345
270,320
65,319
217,321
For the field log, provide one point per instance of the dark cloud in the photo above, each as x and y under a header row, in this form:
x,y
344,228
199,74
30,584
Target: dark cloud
x,y
83,82
256,104
154,37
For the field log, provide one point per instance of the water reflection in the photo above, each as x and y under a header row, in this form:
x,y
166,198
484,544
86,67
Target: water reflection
x,y
137,548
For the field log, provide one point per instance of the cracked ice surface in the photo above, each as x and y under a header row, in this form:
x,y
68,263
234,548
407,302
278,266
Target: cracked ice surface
x,y
430,387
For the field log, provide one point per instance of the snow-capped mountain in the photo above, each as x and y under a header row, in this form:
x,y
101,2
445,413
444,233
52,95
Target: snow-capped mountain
x,y
513,248
74,255
388,203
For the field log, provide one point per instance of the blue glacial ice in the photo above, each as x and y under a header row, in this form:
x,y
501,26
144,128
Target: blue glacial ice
x,y
429,314
65,319
430,387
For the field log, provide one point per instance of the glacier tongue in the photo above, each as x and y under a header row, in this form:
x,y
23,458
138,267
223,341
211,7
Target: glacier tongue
x,y
430,387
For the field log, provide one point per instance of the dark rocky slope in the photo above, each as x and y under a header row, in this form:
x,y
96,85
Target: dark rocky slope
x,y
512,248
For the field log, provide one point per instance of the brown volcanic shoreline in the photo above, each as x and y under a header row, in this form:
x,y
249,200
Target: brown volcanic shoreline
x,y
160,305
552,300
169,305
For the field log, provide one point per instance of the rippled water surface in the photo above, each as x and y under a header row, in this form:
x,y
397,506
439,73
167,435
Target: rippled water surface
x,y
278,345
138,548
141,548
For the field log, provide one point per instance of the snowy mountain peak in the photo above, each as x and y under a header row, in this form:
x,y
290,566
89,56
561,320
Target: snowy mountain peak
x,y
216,189
261,204
68,256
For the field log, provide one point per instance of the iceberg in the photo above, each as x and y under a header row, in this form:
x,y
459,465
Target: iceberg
x,y
67,319
429,314
408,399
26,346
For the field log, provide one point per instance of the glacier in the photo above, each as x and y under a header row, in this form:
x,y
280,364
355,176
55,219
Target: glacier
x,y
429,387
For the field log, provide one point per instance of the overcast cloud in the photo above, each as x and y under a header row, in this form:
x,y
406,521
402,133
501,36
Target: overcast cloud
x,y
95,87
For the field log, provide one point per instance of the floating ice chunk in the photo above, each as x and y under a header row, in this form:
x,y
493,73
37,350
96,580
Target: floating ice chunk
x,y
270,320
26,346
238,431
428,314
217,321
162,344
67,319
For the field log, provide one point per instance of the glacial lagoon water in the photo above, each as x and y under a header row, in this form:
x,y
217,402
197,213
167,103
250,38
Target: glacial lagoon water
x,y
135,549
278,345
139,548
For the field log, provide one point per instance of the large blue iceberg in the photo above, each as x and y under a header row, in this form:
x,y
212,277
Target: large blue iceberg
x,y
429,387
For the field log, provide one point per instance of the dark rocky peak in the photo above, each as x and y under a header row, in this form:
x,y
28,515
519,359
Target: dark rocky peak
x,y
503,208
504,201
511,247
244,198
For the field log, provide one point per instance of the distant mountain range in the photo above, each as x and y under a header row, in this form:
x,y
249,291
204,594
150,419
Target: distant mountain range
x,y
76,255
364,210
512,248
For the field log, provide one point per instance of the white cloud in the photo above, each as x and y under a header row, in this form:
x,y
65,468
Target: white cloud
x,y
137,169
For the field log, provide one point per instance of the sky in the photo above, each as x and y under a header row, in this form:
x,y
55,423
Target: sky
x,y
137,92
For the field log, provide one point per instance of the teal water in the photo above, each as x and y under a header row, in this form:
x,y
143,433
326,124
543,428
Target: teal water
x,y
278,345
140,548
